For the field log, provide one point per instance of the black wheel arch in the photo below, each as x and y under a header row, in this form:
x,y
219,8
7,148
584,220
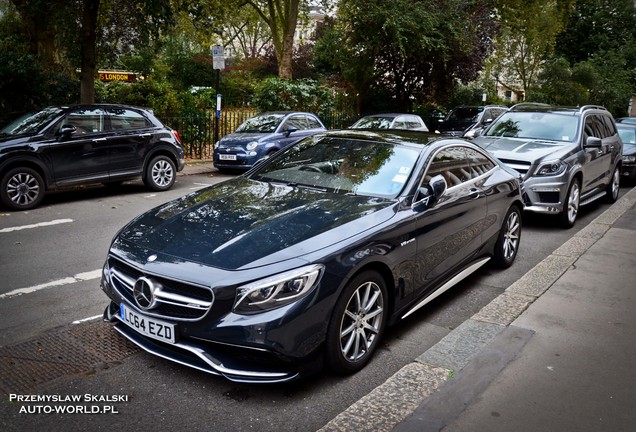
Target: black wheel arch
x,y
28,162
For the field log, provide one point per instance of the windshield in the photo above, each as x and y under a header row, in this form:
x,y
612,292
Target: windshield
x,y
535,125
373,123
31,123
343,165
464,113
627,134
261,123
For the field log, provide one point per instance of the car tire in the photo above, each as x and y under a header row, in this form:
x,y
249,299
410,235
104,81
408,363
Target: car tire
x,y
614,186
22,189
357,323
571,206
160,174
507,245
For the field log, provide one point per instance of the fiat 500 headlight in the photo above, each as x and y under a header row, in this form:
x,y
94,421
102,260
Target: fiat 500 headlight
x,y
251,145
278,290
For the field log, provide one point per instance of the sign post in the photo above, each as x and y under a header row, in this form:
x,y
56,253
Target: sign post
x,y
218,63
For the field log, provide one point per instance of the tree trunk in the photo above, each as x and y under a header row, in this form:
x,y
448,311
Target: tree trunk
x,y
285,57
88,50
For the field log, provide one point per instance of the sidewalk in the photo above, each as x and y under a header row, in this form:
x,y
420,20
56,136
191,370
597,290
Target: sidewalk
x,y
555,352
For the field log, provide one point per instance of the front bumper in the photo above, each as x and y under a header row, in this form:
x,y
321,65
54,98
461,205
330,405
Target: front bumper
x,y
201,357
543,195
629,170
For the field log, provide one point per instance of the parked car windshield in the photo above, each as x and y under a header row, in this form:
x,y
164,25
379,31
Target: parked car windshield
x,y
535,125
30,123
261,123
464,113
373,122
627,133
343,165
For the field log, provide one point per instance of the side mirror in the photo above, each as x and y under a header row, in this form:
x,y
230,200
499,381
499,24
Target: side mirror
x,y
67,130
289,131
593,142
428,195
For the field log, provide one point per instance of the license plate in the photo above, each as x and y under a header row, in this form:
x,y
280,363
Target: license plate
x,y
150,327
227,157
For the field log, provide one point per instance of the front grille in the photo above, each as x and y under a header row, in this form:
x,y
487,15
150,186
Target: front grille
x,y
521,166
175,299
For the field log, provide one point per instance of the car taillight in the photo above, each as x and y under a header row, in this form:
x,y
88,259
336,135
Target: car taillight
x,y
176,135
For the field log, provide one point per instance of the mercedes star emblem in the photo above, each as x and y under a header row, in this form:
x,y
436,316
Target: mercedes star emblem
x,y
144,292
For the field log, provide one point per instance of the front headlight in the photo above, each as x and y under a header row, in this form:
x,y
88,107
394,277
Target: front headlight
x,y
629,159
278,290
552,168
251,145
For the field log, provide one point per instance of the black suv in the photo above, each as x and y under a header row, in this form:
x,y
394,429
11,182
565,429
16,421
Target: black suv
x,y
469,121
62,146
568,157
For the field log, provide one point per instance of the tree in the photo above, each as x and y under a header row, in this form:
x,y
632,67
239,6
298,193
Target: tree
x,y
415,49
529,29
281,16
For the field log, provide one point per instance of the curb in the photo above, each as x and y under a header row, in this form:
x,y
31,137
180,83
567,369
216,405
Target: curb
x,y
391,402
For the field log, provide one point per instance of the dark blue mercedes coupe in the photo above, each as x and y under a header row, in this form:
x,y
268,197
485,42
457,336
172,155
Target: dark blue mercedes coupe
x,y
304,260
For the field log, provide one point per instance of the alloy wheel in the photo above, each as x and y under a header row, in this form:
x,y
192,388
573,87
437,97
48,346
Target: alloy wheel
x,y
162,173
361,322
512,233
23,189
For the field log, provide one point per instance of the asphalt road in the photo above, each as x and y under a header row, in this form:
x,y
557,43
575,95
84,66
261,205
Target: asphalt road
x,y
50,261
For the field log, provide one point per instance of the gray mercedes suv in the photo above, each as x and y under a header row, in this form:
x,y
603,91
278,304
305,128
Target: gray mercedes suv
x,y
568,157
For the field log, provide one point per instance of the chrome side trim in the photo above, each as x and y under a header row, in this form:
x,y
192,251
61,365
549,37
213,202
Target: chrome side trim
x,y
457,278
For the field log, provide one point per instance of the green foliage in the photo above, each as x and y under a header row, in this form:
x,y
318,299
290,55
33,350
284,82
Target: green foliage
x,y
303,95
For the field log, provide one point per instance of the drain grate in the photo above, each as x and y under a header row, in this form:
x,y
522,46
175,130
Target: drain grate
x,y
58,353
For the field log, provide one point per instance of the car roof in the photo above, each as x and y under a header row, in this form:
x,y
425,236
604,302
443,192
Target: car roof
x,y
409,138
541,107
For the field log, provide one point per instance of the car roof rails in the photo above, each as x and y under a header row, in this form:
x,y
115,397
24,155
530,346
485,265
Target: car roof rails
x,y
529,105
588,107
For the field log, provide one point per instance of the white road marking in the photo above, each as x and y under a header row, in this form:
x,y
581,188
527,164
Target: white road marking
x,y
200,185
150,196
60,282
37,225
86,319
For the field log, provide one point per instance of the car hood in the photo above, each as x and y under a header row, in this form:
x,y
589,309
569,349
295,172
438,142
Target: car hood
x,y
242,139
528,150
241,224
454,125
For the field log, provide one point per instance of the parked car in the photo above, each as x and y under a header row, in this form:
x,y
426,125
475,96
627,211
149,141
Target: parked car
x,y
568,156
469,121
311,254
627,132
391,121
83,144
263,135
630,120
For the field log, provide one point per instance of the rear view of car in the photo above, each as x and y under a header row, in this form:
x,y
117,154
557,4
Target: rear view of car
x,y
391,121
568,157
469,121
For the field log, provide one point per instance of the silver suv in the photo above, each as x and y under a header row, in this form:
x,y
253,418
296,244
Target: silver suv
x,y
568,157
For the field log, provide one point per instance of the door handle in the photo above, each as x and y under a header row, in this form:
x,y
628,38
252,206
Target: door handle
x,y
146,135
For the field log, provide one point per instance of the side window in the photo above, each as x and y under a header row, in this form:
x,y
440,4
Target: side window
x,y
609,124
297,122
400,123
594,126
124,119
413,122
450,163
312,123
85,120
479,163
